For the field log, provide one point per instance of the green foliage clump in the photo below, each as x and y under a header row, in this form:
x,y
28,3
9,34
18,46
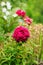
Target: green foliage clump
x,y
23,53
17,53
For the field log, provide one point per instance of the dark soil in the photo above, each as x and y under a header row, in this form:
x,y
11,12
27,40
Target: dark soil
x,y
41,64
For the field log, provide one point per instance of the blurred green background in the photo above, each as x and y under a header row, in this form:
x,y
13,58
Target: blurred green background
x,y
33,8
31,51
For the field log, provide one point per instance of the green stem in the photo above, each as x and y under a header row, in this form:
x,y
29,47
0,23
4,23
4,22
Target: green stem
x,y
41,46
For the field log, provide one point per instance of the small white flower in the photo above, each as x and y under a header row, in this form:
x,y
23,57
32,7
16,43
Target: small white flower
x,y
5,17
8,5
3,4
4,10
7,13
14,15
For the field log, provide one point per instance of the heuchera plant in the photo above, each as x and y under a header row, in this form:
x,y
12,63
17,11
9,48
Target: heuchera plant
x,y
21,33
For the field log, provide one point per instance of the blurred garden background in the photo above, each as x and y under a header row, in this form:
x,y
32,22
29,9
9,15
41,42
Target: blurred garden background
x,y
22,53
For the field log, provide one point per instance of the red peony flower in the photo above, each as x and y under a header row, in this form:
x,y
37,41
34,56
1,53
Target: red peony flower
x,y
20,13
21,34
27,20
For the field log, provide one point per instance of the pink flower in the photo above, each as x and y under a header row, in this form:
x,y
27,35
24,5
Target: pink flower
x,y
20,13
27,20
21,34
